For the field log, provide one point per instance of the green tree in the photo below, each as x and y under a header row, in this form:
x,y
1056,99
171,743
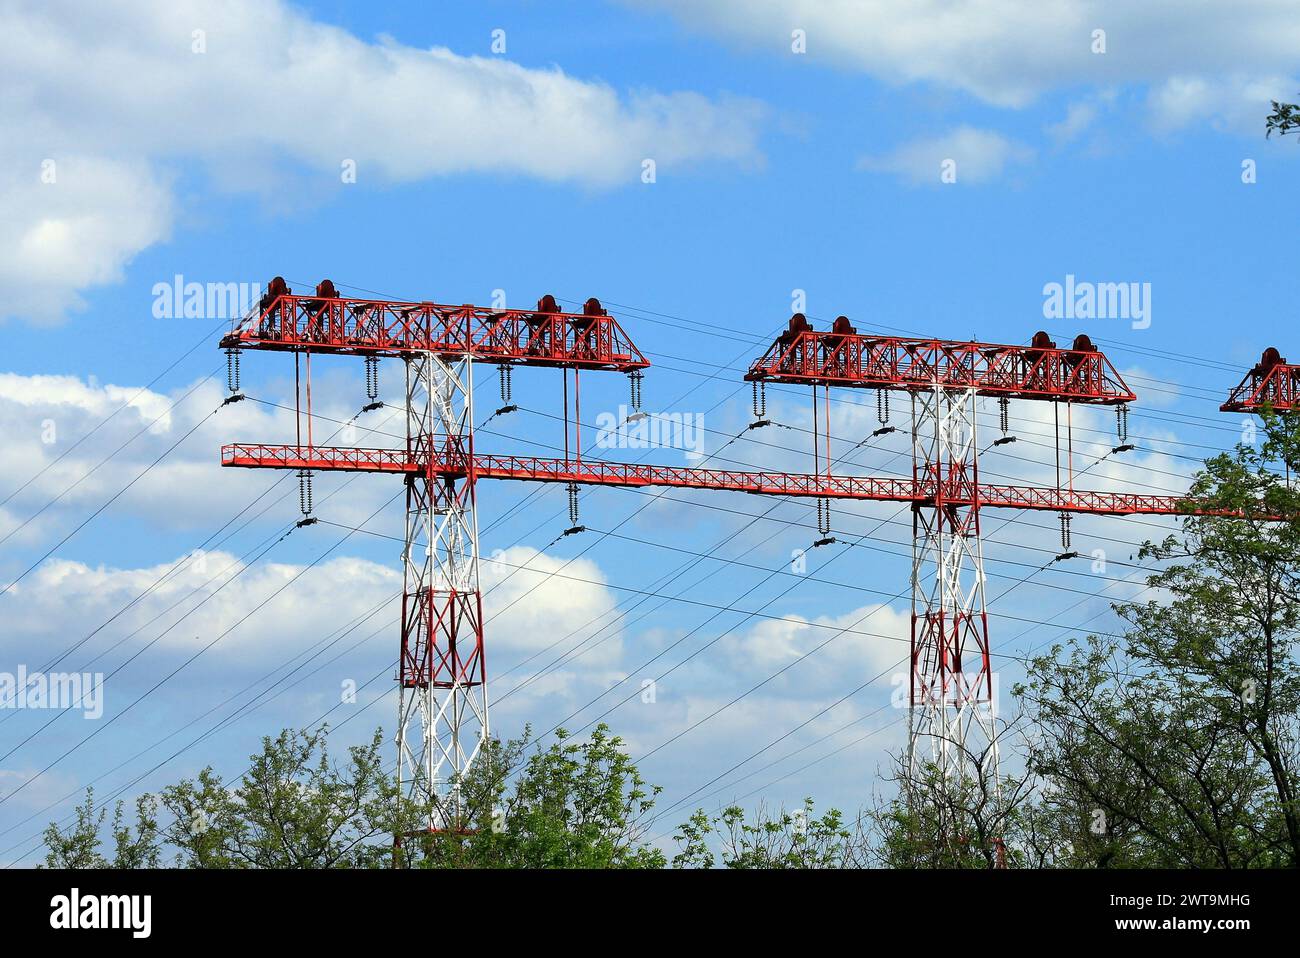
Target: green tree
x,y
1176,745
81,846
293,808
575,804
572,805
784,840
1284,119
972,817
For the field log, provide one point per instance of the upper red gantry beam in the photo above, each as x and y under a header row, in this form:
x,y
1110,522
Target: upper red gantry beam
x,y
327,322
844,357
1273,382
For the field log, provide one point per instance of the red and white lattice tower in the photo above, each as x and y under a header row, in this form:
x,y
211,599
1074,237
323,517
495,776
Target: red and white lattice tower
x,y
952,694
443,703
952,698
442,679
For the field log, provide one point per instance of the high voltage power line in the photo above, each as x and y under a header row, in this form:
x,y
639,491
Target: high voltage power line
x,y
303,310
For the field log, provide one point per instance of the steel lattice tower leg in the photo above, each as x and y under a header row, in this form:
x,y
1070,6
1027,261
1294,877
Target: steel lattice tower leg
x,y
442,718
952,696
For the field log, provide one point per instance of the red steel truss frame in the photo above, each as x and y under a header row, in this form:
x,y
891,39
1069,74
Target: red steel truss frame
x,y
373,327
599,473
1275,384
890,362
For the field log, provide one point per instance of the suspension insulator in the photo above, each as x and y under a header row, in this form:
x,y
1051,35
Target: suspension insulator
x,y
304,491
634,384
882,405
824,516
573,503
1121,421
372,378
1004,411
505,373
1065,530
760,399
232,370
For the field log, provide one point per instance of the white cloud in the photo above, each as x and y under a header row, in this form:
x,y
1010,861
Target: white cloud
x,y
84,396
117,100
42,417
1078,117
76,232
863,642
1235,103
64,599
978,155
536,603
1007,52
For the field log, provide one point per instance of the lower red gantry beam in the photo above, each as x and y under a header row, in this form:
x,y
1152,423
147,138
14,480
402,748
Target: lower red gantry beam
x,y
599,473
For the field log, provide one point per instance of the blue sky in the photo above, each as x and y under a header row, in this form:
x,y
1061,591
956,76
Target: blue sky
x,y
521,171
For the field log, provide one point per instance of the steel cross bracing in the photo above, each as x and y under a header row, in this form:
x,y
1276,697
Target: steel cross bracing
x,y
442,676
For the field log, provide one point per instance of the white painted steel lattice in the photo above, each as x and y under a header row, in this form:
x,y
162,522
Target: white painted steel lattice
x,y
952,693
443,706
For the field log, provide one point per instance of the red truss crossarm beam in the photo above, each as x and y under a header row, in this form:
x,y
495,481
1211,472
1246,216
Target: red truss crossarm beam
x,y
824,358
1273,382
373,327
598,473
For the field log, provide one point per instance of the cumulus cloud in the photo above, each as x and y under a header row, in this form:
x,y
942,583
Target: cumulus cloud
x,y
862,642
544,605
118,99
1078,118
72,443
969,154
1234,103
1006,52
75,231
209,592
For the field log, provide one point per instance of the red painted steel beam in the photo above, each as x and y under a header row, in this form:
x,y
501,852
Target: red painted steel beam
x,y
843,358
598,473
1273,382
372,327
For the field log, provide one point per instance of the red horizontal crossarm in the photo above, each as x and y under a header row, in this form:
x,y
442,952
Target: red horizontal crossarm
x,y
375,327
1276,386
814,357
599,473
